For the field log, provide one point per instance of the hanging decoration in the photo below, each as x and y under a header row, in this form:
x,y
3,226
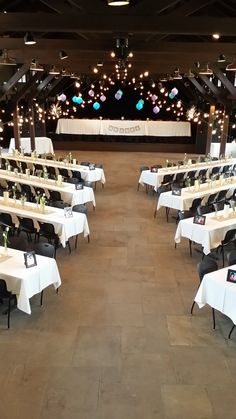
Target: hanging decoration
x,y
55,110
156,109
102,98
96,106
62,98
91,92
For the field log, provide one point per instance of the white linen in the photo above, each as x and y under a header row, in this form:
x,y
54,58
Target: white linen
x,y
42,145
67,190
230,149
209,235
156,178
26,282
96,175
218,293
64,227
123,127
185,200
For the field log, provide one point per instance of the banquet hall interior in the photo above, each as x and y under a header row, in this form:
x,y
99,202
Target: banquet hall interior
x,y
117,209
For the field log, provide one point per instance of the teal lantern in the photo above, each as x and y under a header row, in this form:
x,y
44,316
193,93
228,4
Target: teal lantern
x,y
96,106
139,106
79,100
74,99
171,95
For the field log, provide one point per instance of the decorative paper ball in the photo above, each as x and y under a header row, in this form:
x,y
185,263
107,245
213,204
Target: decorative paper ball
x,y
141,101
62,97
96,106
171,95
119,92
91,93
79,100
154,98
103,98
156,109
117,96
74,99
139,106
174,91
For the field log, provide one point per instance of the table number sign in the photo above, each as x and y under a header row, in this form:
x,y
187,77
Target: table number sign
x,y
231,276
92,166
68,213
199,219
30,259
153,169
176,191
79,186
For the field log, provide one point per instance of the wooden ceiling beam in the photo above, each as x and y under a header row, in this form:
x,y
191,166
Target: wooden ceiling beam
x,y
225,81
6,88
191,7
26,87
40,22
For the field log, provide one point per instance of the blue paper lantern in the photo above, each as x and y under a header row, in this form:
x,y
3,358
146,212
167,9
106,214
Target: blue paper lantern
x,y
171,95
74,99
96,106
139,106
119,92
141,101
79,100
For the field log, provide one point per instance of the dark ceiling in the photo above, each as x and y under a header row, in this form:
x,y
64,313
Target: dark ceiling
x,y
162,34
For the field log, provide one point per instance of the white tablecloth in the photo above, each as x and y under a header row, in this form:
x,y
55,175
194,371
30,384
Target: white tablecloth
x,y
123,127
67,190
156,178
209,235
230,149
26,282
215,291
64,227
184,201
42,145
96,175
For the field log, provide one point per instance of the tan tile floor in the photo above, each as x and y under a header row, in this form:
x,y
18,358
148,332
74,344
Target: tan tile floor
x,y
118,341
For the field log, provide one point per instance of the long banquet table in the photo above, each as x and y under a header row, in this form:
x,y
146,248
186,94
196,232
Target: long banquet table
x,y
185,200
26,282
96,175
230,149
156,178
209,235
67,190
218,293
64,227
123,127
42,145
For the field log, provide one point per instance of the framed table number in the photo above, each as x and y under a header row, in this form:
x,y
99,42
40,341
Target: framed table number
x,y
30,259
68,213
199,219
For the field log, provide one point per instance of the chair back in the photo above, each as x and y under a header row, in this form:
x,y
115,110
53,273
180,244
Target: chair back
x,y
45,249
204,209
80,208
55,196
85,163
211,199
231,257
195,204
18,243
230,236
206,266
59,204
182,215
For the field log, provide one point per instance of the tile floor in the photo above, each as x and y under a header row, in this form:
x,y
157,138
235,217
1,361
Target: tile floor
x,y
118,341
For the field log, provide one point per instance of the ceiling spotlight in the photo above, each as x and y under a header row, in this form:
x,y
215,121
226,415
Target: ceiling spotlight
x,y
63,55
118,2
35,66
206,71
54,71
177,75
231,66
29,39
65,73
99,63
216,35
189,74
221,58
5,59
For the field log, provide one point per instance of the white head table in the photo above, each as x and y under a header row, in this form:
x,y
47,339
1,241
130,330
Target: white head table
x,y
96,175
26,282
67,190
156,178
218,293
64,227
185,200
209,235
42,145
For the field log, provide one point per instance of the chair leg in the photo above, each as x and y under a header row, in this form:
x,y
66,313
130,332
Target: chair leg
x,y
88,238
9,313
231,330
76,240
190,247
68,243
191,311
41,298
213,318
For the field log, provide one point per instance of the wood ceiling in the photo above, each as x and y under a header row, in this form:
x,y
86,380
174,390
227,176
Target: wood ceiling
x,y
162,34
